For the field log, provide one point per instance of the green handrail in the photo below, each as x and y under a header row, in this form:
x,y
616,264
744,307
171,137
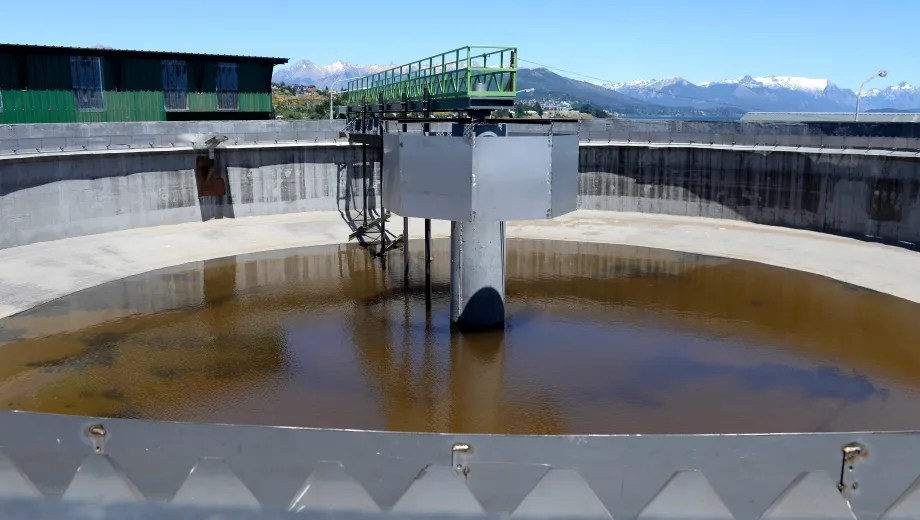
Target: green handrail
x,y
468,72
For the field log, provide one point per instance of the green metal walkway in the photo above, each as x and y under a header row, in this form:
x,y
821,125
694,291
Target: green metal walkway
x,y
468,78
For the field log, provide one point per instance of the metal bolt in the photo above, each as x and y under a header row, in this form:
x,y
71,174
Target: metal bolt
x,y
98,433
458,460
853,450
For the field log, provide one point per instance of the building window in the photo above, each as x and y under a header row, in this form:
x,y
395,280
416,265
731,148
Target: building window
x,y
86,73
227,87
175,84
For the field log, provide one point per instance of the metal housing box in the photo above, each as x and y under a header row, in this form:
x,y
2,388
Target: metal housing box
x,y
521,177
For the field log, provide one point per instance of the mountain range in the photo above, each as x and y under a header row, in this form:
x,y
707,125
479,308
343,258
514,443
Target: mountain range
x,y
768,93
671,96
305,72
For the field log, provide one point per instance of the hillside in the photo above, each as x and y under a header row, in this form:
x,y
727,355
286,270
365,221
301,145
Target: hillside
x,y
549,85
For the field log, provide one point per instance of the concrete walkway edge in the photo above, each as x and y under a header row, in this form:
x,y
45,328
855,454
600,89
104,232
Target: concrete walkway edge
x,y
37,273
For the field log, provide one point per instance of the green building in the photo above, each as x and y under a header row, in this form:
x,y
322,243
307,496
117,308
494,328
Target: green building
x,y
41,84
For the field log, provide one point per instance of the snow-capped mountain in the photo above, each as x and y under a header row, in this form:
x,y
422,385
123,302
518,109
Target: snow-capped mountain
x,y
305,72
767,93
670,92
776,82
901,95
648,83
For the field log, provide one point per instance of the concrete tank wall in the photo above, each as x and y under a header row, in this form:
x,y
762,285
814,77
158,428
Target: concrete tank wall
x,y
866,196
294,179
47,198
64,180
53,196
58,181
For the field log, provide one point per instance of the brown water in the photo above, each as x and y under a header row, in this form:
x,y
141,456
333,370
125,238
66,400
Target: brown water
x,y
599,339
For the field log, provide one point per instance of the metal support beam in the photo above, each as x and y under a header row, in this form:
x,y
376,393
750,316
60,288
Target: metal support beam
x,y
477,274
428,263
364,182
426,127
364,163
383,223
406,250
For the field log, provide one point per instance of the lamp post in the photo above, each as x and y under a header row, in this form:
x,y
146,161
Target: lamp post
x,y
330,94
881,74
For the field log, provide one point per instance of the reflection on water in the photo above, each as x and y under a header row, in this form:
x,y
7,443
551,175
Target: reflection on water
x,y
600,339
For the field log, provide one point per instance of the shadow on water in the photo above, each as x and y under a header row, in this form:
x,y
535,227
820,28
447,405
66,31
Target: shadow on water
x,y
598,339
651,379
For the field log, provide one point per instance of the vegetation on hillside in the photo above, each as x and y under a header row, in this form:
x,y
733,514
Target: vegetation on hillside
x,y
588,108
526,109
299,102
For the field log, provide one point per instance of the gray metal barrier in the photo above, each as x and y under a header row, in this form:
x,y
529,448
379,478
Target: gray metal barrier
x,y
107,462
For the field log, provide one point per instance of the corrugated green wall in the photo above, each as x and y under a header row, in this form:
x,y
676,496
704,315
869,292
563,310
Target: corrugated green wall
x,y
133,90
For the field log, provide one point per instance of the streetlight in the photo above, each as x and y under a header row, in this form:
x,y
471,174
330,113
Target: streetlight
x,y
330,94
881,74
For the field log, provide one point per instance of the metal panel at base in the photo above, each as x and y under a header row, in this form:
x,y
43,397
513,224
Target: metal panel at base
x,y
392,198
465,178
430,178
511,177
564,184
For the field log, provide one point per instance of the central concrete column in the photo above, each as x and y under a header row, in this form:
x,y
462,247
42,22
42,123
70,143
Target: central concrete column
x,y
477,274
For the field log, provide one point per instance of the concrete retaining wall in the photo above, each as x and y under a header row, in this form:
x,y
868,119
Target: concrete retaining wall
x,y
47,198
53,196
848,194
900,136
294,179
66,180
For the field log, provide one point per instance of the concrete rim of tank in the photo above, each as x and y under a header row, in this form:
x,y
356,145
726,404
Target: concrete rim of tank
x,y
34,274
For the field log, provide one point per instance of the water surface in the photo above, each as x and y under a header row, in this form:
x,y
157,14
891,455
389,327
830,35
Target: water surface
x,y
599,339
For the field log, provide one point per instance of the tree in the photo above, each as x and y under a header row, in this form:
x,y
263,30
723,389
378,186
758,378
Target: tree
x,y
520,110
588,108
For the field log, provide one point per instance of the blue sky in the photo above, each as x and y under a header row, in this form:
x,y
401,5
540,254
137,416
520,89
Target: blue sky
x,y
845,41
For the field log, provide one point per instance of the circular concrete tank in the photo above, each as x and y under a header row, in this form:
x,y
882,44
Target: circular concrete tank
x,y
115,299
600,338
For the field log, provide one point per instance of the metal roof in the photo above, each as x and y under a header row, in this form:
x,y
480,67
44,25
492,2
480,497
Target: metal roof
x,y
93,51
